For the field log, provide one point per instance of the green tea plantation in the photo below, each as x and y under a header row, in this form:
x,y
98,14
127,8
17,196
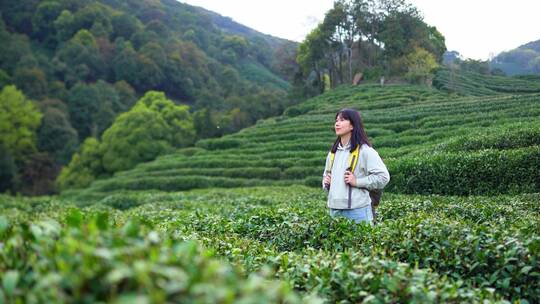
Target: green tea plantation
x,y
243,218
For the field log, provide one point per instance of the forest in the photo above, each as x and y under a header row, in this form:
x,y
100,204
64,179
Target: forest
x,y
74,74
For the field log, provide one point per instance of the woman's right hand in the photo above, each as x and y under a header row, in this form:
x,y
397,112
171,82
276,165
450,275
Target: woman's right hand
x,y
327,179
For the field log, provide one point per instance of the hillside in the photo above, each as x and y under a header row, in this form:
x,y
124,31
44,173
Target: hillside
x,y
83,63
475,84
426,136
524,59
459,222
232,27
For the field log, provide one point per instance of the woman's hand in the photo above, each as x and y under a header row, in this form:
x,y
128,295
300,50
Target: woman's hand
x,y
327,179
350,178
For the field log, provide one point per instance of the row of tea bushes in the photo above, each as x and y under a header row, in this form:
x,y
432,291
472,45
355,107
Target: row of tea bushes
x,y
409,137
423,248
470,83
90,259
463,173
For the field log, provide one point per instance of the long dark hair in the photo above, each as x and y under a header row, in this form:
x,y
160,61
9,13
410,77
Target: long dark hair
x,y
358,136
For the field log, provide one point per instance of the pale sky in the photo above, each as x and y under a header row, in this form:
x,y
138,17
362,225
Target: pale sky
x,y
475,28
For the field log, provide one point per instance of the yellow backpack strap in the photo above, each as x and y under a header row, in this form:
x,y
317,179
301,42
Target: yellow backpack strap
x,y
331,163
353,158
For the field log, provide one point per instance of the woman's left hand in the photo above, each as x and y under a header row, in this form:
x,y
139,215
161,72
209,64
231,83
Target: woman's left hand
x,y
350,178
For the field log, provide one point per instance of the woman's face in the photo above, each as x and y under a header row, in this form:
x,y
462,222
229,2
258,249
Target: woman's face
x,y
342,126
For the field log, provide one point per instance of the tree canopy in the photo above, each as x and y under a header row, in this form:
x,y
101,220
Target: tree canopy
x,y
96,58
375,37
154,126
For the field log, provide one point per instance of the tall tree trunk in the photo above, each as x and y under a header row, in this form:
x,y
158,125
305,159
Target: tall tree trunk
x,y
349,53
340,56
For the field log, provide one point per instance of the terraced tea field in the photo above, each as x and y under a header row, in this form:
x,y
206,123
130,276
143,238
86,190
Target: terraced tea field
x,y
242,219
279,244
432,142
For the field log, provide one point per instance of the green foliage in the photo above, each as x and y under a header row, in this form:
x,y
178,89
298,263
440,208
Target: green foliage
x,y
56,135
385,36
84,166
205,123
125,25
218,144
32,81
465,173
99,57
136,136
4,79
43,21
523,60
424,248
431,141
92,108
177,117
37,175
154,126
120,263
64,25
237,46
519,135
420,64
19,120
81,57
471,83
8,170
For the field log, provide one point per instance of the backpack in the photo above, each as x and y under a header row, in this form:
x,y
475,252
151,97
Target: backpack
x,y
374,194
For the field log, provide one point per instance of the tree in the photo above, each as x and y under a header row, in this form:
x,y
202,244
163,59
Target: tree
x,y
83,59
229,80
85,166
285,60
56,136
136,136
205,123
149,75
4,79
12,49
92,108
96,17
154,126
177,117
19,120
311,53
373,35
125,25
261,51
155,52
126,94
64,25
43,21
18,14
8,170
420,63
38,174
534,64
57,89
342,31
237,44
32,81
125,64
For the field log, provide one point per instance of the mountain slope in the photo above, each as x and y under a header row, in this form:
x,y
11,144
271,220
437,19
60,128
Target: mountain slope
x,y
471,83
83,63
523,60
432,142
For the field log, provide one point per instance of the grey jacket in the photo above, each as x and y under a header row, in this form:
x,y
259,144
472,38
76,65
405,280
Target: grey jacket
x,y
370,172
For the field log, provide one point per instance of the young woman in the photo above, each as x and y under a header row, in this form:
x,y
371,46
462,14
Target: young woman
x,y
348,188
